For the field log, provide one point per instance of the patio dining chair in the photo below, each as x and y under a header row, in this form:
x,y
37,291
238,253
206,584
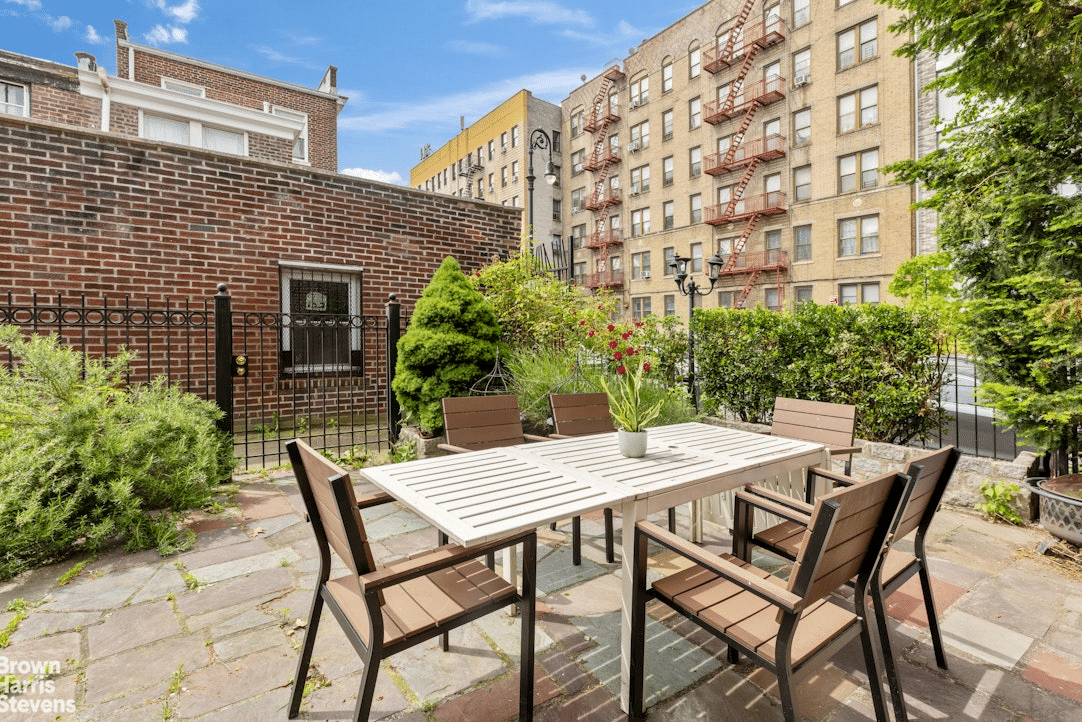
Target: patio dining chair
x,y
386,609
830,424
582,415
784,627
932,473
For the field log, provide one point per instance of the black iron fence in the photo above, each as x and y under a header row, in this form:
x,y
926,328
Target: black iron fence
x,y
319,374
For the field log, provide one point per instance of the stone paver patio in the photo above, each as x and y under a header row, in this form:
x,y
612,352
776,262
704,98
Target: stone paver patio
x,y
212,634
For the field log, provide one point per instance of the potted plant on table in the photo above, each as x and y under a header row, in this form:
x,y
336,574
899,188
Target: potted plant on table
x,y
631,413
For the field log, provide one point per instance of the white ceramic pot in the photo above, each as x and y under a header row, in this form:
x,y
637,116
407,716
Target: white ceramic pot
x,y
632,443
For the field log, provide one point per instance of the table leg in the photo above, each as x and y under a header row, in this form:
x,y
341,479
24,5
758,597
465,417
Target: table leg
x,y
697,521
630,512
510,572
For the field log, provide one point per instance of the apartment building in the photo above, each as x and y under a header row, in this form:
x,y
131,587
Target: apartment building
x,y
756,130
490,161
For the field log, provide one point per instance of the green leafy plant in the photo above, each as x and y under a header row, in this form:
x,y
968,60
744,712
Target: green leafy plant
x,y
403,451
630,410
998,501
20,608
451,343
87,460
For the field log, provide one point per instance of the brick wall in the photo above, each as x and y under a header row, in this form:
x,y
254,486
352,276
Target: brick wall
x,y
80,212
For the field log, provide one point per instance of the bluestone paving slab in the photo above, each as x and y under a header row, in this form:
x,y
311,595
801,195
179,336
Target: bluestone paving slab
x,y
673,663
31,585
49,701
555,570
99,593
725,695
249,642
1008,600
272,525
398,522
248,619
403,545
215,538
225,683
143,667
40,623
246,547
505,631
132,626
333,655
246,565
341,696
270,706
433,674
260,587
599,595
44,651
167,578
991,643
261,503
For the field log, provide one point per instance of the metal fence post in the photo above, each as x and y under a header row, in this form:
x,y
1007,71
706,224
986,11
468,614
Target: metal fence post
x,y
223,357
394,332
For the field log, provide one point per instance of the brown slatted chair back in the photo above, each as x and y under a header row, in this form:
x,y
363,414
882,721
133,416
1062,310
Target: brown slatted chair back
x,y
581,414
338,525
819,421
936,470
845,524
482,422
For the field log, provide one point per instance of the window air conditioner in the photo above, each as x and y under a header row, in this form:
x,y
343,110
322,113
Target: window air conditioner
x,y
514,178
633,104
645,274
802,79
633,147
634,189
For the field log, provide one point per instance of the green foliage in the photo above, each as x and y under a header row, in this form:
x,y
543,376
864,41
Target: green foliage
x,y
19,607
451,343
86,459
927,285
1014,240
998,501
403,451
629,406
885,360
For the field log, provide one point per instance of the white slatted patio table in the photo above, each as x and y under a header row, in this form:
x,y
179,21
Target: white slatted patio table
x,y
487,494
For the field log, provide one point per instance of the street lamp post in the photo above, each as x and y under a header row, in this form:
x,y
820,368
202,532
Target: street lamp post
x,y
538,139
691,289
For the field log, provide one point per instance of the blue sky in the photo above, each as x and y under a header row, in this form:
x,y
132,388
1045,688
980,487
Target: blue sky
x,y
409,68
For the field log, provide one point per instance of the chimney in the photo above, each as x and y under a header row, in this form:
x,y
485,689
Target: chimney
x,y
329,84
87,61
121,29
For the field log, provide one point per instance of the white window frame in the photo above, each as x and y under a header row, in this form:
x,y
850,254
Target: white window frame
x,y
195,131
338,274
181,86
302,138
23,108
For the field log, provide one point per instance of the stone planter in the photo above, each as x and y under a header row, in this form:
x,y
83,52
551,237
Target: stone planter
x,y
426,445
632,443
1061,505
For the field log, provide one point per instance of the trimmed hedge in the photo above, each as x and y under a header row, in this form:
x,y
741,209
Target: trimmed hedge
x,y
886,360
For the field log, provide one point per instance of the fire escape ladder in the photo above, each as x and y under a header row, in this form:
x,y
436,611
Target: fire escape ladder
x,y
469,179
738,136
730,43
601,100
738,246
748,285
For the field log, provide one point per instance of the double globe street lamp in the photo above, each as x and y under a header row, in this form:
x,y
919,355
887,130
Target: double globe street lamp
x,y
691,289
540,140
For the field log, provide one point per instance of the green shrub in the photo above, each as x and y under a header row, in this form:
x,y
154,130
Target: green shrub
x,y
451,343
885,360
86,459
999,501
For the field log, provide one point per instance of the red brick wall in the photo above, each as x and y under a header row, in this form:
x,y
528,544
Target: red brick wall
x,y
66,107
247,92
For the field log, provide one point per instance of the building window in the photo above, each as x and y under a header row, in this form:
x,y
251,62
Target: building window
x,y
223,141
696,258
555,142
802,66
640,136
640,265
169,130
578,119
491,149
726,299
667,256
14,99
802,127
317,304
801,13
579,271
666,75
514,136
802,243
578,161
670,304
859,109
803,295
695,156
640,222
694,62
667,170
857,45
640,91
772,299
556,214
577,234
772,182
640,308
503,177
179,86
300,145
696,202
802,183
864,166
578,197
668,214
640,179
666,125
773,240
852,293
858,236
514,201
491,182
695,113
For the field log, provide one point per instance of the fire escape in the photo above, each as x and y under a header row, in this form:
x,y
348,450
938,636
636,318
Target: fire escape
x,y
469,180
744,99
603,157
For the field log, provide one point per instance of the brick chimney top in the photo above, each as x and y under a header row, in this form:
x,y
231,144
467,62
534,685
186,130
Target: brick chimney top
x,y
121,29
329,84
87,61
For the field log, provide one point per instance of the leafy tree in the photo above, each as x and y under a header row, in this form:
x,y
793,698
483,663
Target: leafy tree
x,y
1013,234
451,343
926,284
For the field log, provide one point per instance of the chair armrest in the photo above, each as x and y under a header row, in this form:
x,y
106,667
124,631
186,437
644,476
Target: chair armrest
x,y
832,476
535,437
374,499
789,512
560,436
751,492
440,558
838,450
453,449
763,588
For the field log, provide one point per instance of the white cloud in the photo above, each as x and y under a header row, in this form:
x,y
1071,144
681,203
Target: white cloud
x,y
28,4
428,114
92,35
475,48
183,13
58,24
163,36
623,34
376,175
537,11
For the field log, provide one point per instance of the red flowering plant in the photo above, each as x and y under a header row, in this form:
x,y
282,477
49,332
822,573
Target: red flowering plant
x,y
630,411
